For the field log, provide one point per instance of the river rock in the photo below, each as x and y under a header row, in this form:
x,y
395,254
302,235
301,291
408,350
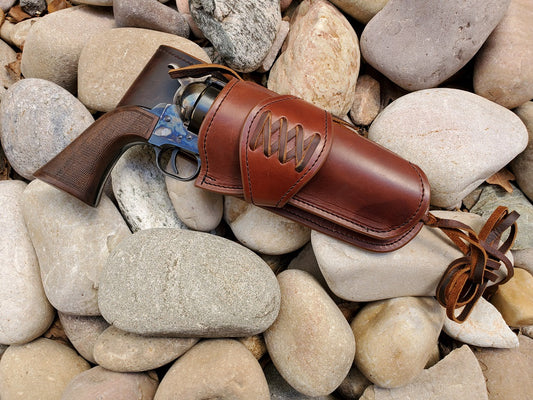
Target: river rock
x,y
455,376
35,8
25,313
361,10
15,33
7,56
103,80
405,329
277,44
83,332
72,241
38,370
198,285
522,165
310,343
94,2
121,351
514,299
459,138
139,188
527,330
53,46
215,369
184,10
5,5
38,119
312,66
366,103
262,230
484,327
400,41
503,71
242,32
149,14
353,386
99,383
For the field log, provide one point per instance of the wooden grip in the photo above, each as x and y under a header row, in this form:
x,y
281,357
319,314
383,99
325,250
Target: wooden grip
x,y
82,168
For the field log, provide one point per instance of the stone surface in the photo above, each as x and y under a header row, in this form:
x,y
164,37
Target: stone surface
x,y
353,386
99,383
83,332
458,138
184,10
508,371
149,14
72,241
5,5
94,2
35,8
312,66
103,80
503,71
514,299
15,34
255,344
528,331
7,56
54,43
25,313
522,165
366,104
310,343
405,329
400,41
139,188
457,376
38,370
262,230
361,10
38,119
215,369
485,327
198,285
272,54
242,32
121,351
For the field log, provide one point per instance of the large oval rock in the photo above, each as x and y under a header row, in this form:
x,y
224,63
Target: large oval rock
x,y
72,241
53,46
313,66
310,343
38,119
197,285
103,80
83,332
400,40
459,139
25,312
522,165
503,71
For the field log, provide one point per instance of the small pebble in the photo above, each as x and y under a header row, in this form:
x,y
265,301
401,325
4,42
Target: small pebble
x,y
366,104
35,8
514,299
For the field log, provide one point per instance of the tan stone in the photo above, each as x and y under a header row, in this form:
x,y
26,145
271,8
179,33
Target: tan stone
x,y
256,345
83,332
366,104
522,165
361,10
514,299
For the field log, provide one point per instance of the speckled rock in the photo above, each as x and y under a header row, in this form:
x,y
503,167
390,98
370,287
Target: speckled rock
x,y
361,10
255,345
366,103
54,43
83,332
184,10
277,44
522,165
99,383
38,119
459,138
103,80
35,8
312,66
25,313
503,71
38,370
400,41
310,343
198,285
72,241
514,299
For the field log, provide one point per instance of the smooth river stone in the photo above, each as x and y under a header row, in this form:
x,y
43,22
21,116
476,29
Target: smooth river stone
x,y
15,33
514,299
215,369
121,351
38,370
7,56
99,383
197,285
38,119
103,80
25,313
94,2
72,241
458,138
53,46
421,44
310,343
314,67
262,230
522,165
366,105
405,329
361,10
503,71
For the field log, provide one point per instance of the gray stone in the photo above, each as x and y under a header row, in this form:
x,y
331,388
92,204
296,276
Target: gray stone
x,y
38,119
82,332
5,5
522,165
149,14
242,32
197,285
35,8
400,40
94,2
54,43
458,138
361,10
72,241
25,313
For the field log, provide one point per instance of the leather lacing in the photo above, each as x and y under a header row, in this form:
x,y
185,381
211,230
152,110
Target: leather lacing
x,y
466,279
